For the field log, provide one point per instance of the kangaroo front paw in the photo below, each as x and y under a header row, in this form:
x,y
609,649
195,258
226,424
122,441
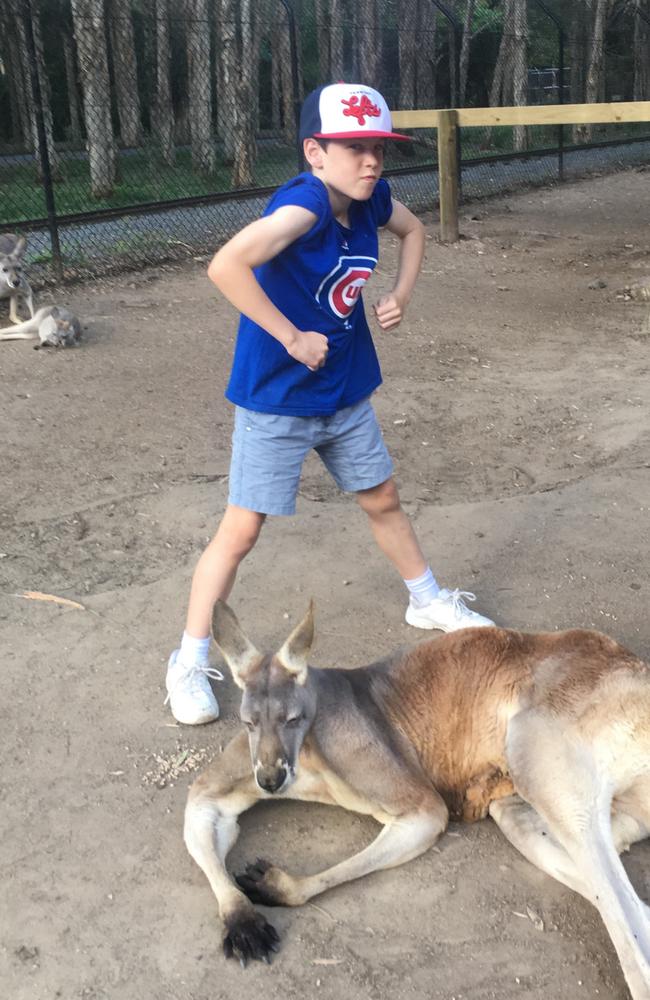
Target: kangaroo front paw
x,y
248,935
264,883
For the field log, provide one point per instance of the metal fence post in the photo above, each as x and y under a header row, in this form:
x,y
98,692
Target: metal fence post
x,y
43,152
560,38
295,83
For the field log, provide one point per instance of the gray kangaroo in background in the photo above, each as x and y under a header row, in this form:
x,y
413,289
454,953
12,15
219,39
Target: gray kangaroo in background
x,y
548,733
13,281
52,326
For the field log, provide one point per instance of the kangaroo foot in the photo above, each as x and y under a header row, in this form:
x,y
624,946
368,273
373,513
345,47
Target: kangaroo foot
x,y
264,883
248,935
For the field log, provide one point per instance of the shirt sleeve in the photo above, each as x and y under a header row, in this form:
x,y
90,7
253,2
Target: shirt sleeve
x,y
305,192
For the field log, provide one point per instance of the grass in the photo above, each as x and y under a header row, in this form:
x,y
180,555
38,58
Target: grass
x,y
144,178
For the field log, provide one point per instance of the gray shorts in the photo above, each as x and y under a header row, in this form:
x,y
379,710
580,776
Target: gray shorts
x,y
268,452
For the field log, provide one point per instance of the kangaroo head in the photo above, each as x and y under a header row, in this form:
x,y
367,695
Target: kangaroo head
x,y
278,703
11,271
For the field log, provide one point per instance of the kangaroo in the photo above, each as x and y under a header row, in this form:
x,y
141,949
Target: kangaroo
x,y
548,733
13,281
53,326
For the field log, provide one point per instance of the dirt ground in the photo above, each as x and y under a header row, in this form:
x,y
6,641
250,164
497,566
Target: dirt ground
x,y
516,407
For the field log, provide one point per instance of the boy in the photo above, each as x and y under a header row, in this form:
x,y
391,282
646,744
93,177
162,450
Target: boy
x,y
305,366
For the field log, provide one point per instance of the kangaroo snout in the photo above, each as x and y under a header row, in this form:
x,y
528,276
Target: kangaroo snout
x,y
271,779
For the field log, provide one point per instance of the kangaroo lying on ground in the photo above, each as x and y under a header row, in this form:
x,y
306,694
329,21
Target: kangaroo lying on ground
x,y
549,733
52,326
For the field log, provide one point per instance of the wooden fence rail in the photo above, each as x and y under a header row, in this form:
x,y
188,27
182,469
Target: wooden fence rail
x,y
447,121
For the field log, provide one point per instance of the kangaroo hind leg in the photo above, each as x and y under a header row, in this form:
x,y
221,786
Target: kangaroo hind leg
x,y
558,774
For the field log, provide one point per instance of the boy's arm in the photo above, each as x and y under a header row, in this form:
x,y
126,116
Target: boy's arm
x,y
390,308
231,270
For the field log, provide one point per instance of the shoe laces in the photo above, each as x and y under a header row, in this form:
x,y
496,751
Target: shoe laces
x,y
457,600
191,675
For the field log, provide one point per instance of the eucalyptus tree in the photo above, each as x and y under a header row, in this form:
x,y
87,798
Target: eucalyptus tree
x,y
125,71
90,36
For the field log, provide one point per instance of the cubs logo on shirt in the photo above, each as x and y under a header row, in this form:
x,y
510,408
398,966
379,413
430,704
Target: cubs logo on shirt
x,y
341,288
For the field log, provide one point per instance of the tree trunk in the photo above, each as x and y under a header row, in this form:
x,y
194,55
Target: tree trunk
x,y
245,99
277,61
125,72
500,81
90,35
199,85
596,64
596,54
425,68
578,34
641,52
336,16
286,82
228,71
465,51
520,66
322,40
9,50
44,84
368,42
74,132
163,111
407,48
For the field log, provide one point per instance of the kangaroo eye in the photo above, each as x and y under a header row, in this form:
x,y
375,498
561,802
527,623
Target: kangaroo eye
x,y
250,726
294,721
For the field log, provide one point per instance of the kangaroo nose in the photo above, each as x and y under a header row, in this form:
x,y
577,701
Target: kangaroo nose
x,y
270,779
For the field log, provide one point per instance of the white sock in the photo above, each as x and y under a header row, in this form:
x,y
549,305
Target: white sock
x,y
423,589
194,650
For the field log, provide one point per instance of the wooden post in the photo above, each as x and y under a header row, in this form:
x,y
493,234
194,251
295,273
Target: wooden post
x,y
448,175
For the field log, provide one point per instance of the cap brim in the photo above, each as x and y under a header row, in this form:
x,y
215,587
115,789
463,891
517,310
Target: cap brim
x,y
360,135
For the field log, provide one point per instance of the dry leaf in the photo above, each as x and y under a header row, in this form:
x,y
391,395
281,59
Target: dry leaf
x,y
535,919
36,595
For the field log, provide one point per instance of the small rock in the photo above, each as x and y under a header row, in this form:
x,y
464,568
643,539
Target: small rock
x,y
597,284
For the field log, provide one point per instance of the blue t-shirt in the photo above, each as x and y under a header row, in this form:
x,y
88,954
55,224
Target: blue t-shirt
x,y
316,283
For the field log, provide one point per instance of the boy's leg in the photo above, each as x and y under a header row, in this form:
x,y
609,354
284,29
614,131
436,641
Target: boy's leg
x,y
429,606
215,571
188,686
392,529
267,456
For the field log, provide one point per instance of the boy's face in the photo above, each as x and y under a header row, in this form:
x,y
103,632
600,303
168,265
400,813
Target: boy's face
x,y
350,167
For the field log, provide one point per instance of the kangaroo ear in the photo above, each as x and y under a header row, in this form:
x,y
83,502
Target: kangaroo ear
x,y
240,654
295,653
19,248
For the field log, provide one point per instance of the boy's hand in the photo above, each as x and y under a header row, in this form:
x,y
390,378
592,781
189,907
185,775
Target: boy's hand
x,y
309,348
389,311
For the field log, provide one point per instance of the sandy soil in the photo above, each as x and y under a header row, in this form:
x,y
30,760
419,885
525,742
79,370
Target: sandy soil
x,y
516,406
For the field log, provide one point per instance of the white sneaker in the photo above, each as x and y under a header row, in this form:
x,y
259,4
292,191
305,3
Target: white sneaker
x,y
447,611
189,694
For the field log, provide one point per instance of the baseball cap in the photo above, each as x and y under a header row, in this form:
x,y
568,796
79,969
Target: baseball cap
x,y
344,111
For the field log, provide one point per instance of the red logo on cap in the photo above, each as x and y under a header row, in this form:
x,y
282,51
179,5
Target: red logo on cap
x,y
360,109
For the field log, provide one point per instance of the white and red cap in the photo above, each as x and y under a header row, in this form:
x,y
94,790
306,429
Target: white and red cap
x,y
346,111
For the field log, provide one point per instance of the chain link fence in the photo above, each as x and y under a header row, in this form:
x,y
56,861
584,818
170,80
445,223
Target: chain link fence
x,y
135,132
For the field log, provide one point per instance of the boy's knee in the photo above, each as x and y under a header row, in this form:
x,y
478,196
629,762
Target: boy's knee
x,y
382,499
240,533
